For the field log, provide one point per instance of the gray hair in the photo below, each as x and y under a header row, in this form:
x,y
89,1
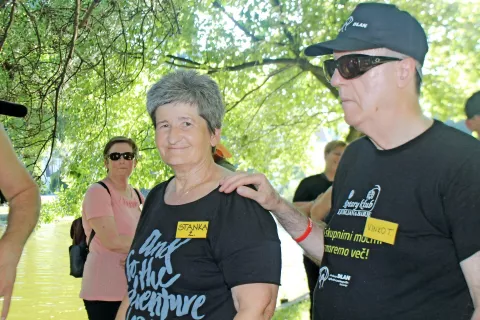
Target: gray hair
x,y
192,88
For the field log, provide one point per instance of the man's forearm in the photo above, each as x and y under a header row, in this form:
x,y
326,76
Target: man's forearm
x,y
23,216
304,207
295,223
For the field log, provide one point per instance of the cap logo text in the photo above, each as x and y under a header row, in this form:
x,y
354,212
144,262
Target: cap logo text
x,y
360,25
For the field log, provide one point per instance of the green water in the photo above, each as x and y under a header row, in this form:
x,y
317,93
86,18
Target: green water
x,y
44,289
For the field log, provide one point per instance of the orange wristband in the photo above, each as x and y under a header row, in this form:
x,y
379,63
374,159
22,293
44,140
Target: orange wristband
x,y
306,233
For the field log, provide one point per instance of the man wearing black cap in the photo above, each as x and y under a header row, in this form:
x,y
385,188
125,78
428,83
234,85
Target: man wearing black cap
x,y
23,197
472,111
403,235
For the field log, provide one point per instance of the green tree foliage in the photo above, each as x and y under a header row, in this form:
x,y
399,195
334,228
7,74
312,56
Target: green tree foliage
x,y
83,67
276,97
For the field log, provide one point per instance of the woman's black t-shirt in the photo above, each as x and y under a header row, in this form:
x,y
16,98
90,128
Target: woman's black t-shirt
x,y
185,259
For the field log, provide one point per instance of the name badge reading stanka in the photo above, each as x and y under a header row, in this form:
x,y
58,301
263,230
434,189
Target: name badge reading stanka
x,y
380,230
192,229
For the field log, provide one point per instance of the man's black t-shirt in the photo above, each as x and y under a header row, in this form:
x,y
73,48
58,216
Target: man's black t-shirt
x,y
172,275
311,187
430,187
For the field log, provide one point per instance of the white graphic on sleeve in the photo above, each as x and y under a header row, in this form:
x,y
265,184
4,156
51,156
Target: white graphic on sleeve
x,y
362,208
150,285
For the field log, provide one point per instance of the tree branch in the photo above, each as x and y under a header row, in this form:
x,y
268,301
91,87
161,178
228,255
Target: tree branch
x,y
250,64
291,39
9,24
35,27
183,59
319,74
61,82
87,15
175,15
217,5
256,88
3,3
269,95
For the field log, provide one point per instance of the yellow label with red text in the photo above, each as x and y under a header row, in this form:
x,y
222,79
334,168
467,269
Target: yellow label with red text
x,y
192,229
380,230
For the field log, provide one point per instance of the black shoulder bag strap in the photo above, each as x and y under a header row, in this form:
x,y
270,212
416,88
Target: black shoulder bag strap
x,y
138,195
92,234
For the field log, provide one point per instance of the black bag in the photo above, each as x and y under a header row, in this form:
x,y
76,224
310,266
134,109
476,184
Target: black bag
x,y
79,249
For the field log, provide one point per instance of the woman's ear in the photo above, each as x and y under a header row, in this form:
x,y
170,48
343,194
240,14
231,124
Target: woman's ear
x,y
215,137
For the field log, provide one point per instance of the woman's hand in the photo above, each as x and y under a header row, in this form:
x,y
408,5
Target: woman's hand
x,y
106,230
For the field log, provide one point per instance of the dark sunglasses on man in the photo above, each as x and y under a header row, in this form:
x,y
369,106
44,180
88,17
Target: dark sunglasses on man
x,y
114,156
353,65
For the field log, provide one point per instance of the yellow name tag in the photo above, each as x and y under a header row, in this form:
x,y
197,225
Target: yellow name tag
x,y
380,230
192,229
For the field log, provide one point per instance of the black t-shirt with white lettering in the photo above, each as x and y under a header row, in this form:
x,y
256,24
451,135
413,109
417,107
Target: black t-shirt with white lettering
x,y
178,276
430,187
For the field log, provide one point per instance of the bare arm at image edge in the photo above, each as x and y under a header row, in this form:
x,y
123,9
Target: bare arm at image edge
x,y
255,301
471,271
122,310
292,220
23,196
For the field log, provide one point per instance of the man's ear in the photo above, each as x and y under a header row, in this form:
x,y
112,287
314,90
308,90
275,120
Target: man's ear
x,y
406,72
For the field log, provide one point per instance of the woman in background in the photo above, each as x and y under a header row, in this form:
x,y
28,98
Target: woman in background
x,y
112,211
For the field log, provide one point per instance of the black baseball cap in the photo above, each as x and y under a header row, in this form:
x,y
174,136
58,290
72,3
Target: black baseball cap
x,y
377,25
472,107
12,109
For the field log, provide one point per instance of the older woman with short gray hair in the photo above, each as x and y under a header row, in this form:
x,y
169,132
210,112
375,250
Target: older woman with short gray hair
x,y
198,253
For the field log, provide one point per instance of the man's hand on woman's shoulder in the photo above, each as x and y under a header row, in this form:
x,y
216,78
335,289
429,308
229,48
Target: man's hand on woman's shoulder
x,y
264,194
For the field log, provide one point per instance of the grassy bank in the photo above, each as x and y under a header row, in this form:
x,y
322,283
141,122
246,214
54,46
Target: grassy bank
x,y
299,311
